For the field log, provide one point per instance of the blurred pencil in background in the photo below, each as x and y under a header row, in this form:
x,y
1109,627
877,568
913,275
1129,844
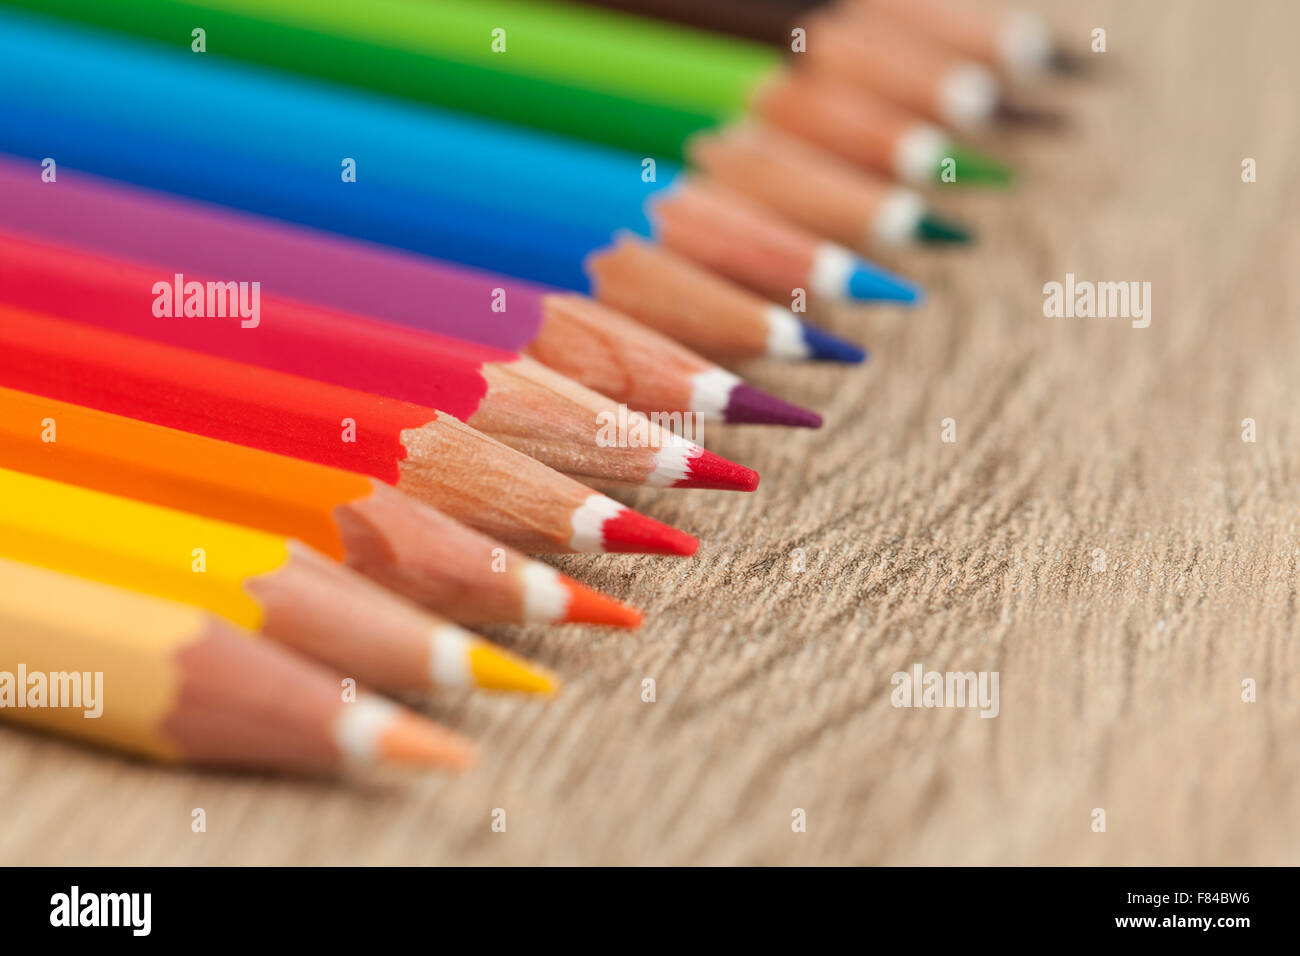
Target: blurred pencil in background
x,y
473,234
887,47
848,205
1015,40
870,131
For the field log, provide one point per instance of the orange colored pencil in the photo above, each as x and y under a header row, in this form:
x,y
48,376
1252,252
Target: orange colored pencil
x,y
391,538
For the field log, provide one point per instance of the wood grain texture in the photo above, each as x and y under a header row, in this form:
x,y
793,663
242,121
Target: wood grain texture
x,y
1119,689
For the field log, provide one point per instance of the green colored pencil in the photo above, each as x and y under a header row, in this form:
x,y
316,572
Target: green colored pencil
x,y
581,72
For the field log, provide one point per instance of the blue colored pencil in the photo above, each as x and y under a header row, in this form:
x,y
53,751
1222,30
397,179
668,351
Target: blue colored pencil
x,y
427,153
230,174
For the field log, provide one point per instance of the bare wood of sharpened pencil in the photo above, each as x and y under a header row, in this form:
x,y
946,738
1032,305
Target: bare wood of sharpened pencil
x,y
550,417
457,468
833,199
1015,40
681,300
438,562
873,52
855,126
516,499
615,355
728,235
421,553
383,641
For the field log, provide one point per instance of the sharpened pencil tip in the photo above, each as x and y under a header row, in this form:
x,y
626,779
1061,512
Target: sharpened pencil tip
x,y
932,228
412,739
973,168
1023,114
823,345
870,283
1066,63
497,669
753,406
630,531
588,606
709,470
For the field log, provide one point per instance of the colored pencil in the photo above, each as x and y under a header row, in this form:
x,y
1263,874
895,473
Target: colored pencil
x,y
724,322
586,73
390,538
770,258
1016,40
259,581
427,155
860,43
176,683
510,397
577,337
625,122
432,456
475,237
871,132
875,51
849,205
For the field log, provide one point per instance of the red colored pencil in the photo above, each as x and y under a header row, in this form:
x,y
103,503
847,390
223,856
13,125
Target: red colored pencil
x,y
512,398
428,454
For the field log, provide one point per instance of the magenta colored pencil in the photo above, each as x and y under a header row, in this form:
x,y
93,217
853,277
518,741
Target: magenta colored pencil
x,y
574,335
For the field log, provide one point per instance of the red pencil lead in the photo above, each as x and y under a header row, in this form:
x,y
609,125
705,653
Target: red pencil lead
x,y
708,470
631,531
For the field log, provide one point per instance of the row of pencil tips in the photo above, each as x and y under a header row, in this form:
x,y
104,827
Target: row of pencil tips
x,y
317,321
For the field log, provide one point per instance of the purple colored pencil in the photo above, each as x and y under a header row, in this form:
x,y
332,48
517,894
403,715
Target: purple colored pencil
x,y
569,332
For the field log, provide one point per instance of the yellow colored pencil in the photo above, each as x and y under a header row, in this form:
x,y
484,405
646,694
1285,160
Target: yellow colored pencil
x,y
176,683
259,581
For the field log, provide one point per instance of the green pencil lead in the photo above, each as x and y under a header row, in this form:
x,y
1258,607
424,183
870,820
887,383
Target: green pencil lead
x,y
934,228
972,168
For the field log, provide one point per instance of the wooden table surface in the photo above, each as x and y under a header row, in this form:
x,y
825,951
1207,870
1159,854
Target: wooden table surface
x,y
873,545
